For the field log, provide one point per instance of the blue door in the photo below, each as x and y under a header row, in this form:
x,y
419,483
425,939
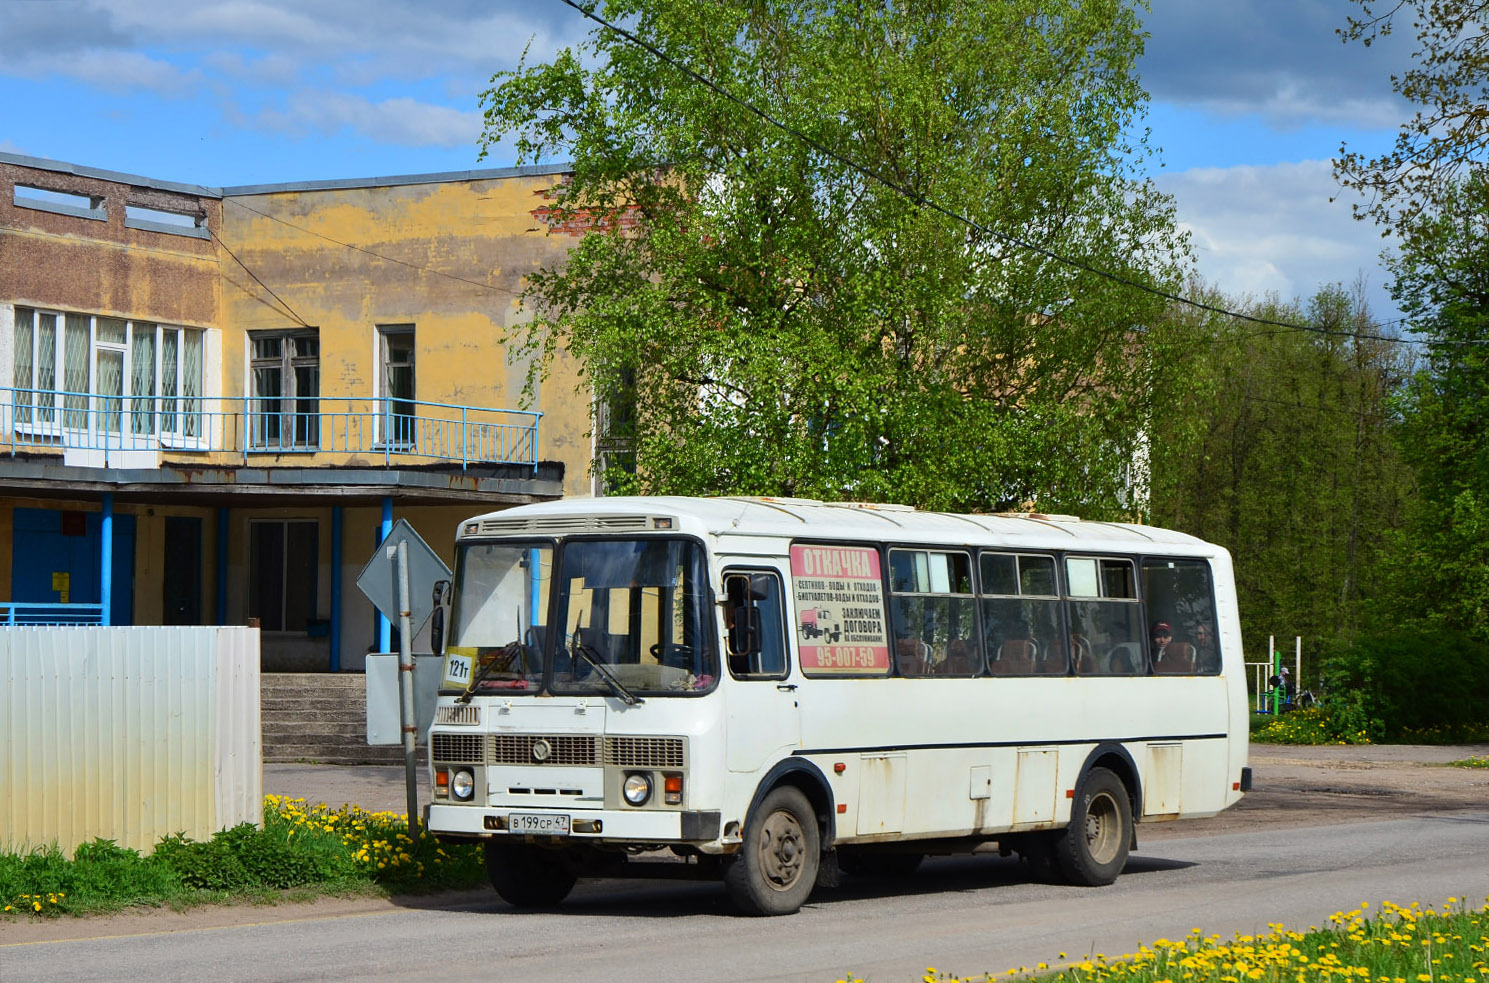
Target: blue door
x,y
48,542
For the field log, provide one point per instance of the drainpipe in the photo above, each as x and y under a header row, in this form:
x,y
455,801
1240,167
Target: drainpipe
x,y
106,561
336,588
384,629
222,530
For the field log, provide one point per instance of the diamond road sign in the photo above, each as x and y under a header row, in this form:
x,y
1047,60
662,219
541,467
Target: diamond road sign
x,y
379,578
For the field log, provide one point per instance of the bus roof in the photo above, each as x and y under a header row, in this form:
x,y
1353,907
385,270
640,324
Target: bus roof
x,y
794,518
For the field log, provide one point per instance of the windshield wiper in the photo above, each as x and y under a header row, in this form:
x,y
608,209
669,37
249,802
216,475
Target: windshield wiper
x,y
500,661
576,647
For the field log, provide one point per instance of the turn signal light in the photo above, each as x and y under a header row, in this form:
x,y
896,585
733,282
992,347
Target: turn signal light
x,y
672,789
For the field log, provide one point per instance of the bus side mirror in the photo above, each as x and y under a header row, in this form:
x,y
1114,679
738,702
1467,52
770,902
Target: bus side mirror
x,y
437,619
744,634
741,594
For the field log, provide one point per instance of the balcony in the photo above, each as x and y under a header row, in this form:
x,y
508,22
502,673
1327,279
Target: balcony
x,y
92,430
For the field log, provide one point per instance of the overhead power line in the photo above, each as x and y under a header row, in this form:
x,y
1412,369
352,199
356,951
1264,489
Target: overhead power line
x,y
925,202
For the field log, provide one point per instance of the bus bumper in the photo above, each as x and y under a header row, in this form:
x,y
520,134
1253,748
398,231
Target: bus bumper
x,y
637,826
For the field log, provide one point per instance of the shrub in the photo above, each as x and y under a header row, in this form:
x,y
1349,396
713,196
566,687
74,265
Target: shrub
x,y
1393,684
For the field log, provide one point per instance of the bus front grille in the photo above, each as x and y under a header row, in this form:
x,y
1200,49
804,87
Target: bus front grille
x,y
562,749
462,749
644,752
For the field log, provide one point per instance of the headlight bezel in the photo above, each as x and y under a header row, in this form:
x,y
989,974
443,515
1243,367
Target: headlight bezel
x,y
639,793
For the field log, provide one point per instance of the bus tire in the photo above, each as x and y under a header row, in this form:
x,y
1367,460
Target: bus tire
x,y
527,876
776,866
1092,850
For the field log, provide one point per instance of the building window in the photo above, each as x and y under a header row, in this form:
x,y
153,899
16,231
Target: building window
x,y
106,366
396,411
283,555
286,380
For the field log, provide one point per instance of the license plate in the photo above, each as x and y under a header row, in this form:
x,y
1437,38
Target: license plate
x,y
541,824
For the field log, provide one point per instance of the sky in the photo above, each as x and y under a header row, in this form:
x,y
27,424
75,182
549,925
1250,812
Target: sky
x,y
1250,101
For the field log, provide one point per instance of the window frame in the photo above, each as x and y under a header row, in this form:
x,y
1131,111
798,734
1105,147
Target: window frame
x,y
304,425
779,587
67,408
951,595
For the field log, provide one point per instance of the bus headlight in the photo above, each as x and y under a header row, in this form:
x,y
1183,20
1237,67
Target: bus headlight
x,y
463,785
637,789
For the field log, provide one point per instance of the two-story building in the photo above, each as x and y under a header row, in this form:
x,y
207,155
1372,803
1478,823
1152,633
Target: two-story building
x,y
215,401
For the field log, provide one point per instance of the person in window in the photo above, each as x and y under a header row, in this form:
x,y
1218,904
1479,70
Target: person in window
x,y
1170,656
1206,652
1163,636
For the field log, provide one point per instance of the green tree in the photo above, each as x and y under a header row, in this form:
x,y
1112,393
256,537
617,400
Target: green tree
x,y
1439,563
1449,133
797,309
1285,453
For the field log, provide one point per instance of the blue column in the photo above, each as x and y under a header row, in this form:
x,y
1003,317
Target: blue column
x,y
384,628
106,577
222,530
336,588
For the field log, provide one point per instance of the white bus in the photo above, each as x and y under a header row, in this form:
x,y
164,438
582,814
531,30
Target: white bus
x,y
773,691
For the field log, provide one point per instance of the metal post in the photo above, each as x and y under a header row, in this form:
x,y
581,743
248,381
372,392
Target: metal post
x,y
335,588
1298,663
406,689
1274,657
106,561
384,628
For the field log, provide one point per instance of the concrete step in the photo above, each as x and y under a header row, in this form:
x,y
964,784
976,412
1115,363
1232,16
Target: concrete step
x,y
318,717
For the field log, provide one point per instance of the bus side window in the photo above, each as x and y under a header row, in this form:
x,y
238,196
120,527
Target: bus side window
x,y
756,638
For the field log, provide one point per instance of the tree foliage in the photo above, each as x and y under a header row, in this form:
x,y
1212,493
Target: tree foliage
x,y
1439,563
1286,454
1449,82
797,309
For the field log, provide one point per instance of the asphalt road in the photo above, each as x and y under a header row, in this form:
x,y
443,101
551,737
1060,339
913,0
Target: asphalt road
x,y
960,915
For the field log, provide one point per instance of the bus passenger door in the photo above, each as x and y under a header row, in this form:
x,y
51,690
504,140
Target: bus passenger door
x,y
762,716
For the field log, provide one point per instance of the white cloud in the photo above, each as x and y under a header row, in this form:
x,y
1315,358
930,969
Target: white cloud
x,y
1259,230
401,121
109,69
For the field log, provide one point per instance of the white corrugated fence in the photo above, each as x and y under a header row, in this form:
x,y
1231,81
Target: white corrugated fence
x,y
128,734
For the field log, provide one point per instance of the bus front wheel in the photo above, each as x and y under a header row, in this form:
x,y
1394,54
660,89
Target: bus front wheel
x,y
1092,850
527,876
776,866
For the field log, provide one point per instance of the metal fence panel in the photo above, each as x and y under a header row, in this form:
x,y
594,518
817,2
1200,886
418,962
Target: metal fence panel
x,y
128,734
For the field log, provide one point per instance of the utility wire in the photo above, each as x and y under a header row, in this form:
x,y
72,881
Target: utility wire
x,y
924,202
290,310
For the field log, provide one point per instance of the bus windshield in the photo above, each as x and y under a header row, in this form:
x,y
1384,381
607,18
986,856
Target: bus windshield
x,y
497,628
635,619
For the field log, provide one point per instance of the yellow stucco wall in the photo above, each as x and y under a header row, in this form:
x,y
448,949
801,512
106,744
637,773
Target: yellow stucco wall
x,y
449,258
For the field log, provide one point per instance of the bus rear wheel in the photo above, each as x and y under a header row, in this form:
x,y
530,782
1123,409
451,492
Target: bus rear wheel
x,y
1092,850
527,876
776,867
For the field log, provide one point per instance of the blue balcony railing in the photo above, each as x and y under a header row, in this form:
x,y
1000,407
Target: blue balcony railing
x,y
110,431
17,613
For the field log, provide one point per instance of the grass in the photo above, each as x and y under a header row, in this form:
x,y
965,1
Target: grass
x,y
1400,944
1477,761
301,852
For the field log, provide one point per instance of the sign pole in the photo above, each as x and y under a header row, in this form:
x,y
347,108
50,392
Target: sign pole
x,y
406,690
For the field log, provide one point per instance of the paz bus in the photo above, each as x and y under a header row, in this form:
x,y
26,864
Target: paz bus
x,y
774,692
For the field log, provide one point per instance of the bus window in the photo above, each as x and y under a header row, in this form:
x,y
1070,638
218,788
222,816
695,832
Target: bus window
x,y
1182,593
934,613
1106,625
1021,612
753,614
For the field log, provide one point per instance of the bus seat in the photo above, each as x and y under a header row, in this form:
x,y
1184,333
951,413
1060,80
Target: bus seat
x,y
962,659
913,656
1015,657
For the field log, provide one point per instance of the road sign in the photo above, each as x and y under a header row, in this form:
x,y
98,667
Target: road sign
x,y
379,578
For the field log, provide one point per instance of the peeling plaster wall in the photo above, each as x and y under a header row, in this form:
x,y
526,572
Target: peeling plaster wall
x,y
448,257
